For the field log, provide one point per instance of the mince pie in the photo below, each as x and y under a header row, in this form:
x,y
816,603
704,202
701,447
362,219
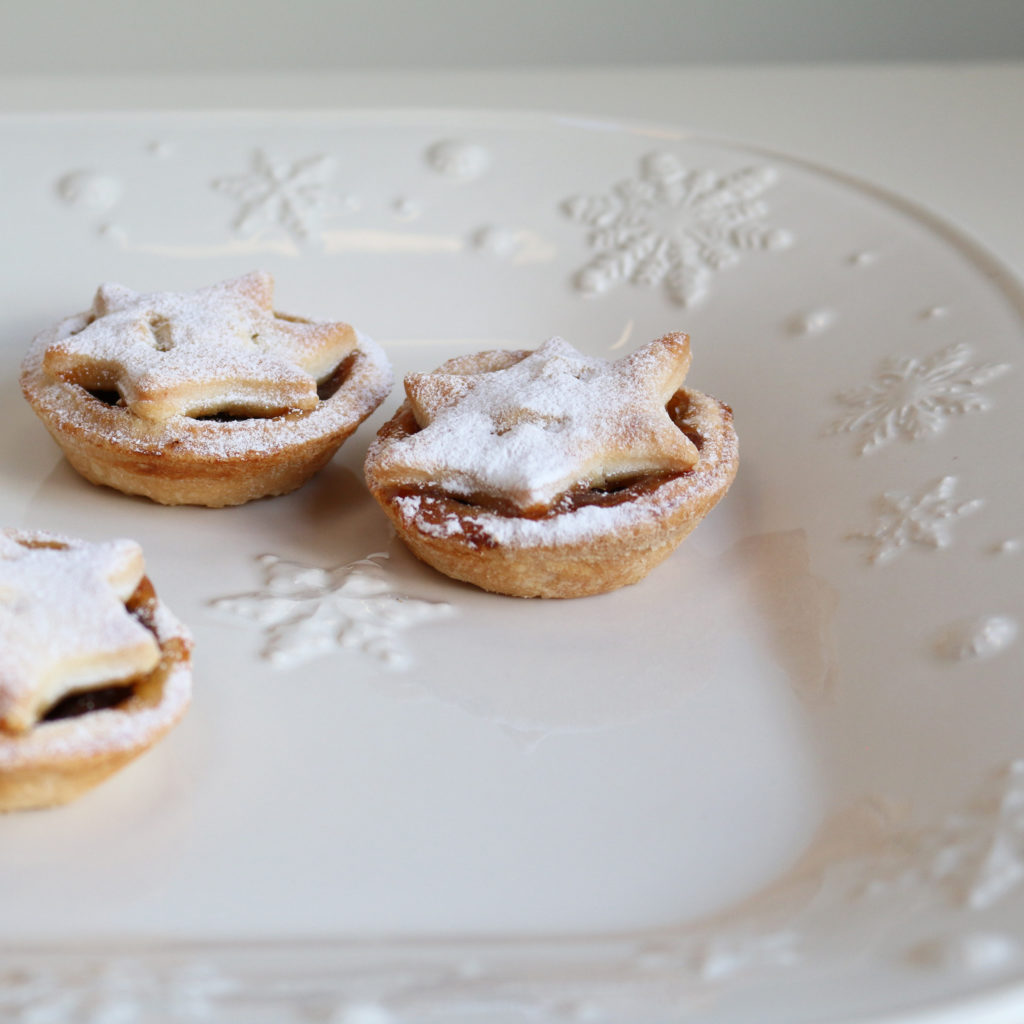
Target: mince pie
x,y
203,398
552,473
93,668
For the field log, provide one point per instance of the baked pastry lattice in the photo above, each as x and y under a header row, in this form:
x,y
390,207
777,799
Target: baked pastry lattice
x,y
208,397
93,668
552,473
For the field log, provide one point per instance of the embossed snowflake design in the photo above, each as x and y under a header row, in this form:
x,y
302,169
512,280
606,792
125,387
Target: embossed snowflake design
x,y
925,518
913,398
306,611
674,226
125,991
295,196
993,858
975,857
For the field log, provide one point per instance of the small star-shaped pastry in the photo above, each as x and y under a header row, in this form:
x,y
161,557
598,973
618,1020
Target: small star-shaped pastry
x,y
551,473
219,349
64,625
554,420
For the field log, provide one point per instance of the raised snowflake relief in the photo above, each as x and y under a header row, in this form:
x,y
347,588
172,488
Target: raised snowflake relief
x,y
458,160
976,856
306,611
90,190
973,952
121,990
924,518
674,226
982,637
913,398
966,863
296,196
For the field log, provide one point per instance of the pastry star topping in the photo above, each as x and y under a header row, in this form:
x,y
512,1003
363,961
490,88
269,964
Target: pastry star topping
x,y
218,349
555,419
64,625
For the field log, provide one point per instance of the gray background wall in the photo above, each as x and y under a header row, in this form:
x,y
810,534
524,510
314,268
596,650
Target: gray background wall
x,y
117,36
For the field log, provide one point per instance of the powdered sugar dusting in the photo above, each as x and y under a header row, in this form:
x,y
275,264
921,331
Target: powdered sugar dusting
x,y
368,381
529,432
197,353
409,508
112,730
432,515
63,622
519,531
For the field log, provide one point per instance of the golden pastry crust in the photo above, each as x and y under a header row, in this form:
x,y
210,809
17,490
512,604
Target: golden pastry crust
x,y
53,761
217,441
589,541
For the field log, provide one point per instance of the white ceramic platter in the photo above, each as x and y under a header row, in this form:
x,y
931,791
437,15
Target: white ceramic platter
x,y
781,780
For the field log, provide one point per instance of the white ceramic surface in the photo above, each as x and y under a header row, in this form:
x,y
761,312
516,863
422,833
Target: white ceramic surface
x,y
780,780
